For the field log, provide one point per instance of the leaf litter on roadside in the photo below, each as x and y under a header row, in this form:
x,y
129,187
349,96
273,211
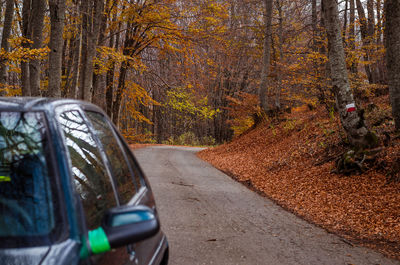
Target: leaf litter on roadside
x,y
294,168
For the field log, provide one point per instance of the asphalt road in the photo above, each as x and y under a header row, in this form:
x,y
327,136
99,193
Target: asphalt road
x,y
211,219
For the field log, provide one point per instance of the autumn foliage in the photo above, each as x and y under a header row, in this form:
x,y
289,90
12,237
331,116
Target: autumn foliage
x,y
293,162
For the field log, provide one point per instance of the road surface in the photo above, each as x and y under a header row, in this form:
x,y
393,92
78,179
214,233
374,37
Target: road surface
x,y
211,219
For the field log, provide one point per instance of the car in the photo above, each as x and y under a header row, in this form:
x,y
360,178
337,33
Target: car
x,y
71,191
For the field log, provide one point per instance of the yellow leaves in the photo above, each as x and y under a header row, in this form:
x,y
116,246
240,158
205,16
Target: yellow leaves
x,y
108,57
185,102
11,90
24,54
210,20
136,95
20,53
19,41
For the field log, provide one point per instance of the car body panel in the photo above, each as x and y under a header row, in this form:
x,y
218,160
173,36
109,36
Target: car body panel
x,y
67,249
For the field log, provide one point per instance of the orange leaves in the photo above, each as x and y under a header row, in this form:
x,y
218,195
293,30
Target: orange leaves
x,y
283,162
19,53
137,96
10,90
242,110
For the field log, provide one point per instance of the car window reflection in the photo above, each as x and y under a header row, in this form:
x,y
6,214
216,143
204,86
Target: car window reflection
x,y
26,201
119,166
90,177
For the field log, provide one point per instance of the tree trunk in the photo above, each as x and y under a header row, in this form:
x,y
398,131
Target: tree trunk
x,y
92,12
371,18
365,40
381,62
114,42
119,92
392,44
26,33
65,65
314,24
372,39
8,18
57,17
379,22
262,92
110,84
84,10
37,19
346,10
352,35
99,80
280,49
73,88
358,134
128,50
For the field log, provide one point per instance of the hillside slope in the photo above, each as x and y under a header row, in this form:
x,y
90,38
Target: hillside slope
x,y
292,161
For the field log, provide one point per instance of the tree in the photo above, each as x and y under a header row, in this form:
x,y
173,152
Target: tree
x,y
71,65
352,35
5,46
57,16
266,55
352,122
392,44
36,25
91,20
367,28
26,34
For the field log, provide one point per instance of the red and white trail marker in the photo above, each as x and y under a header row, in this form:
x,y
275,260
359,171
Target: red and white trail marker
x,y
351,107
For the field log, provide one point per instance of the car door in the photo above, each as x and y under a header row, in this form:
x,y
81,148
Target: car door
x,y
94,187
131,186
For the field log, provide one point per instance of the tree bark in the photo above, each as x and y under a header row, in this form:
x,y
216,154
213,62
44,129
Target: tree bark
x,y
379,22
262,91
346,10
57,17
8,18
358,134
371,18
26,33
73,88
37,20
372,40
84,10
381,62
118,95
392,44
366,40
314,24
99,80
280,49
91,17
352,35
114,42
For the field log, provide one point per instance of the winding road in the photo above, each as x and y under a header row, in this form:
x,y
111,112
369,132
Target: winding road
x,y
211,219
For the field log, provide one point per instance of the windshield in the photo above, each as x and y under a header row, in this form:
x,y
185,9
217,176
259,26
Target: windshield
x,y
27,215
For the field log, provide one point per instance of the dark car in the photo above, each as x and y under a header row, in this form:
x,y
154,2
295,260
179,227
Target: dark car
x,y
71,191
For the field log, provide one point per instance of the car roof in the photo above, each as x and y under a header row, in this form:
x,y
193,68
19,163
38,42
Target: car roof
x,y
40,103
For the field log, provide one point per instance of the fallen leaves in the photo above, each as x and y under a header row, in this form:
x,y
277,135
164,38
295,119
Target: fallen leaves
x,y
293,167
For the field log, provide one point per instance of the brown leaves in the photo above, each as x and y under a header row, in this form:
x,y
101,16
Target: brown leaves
x,y
280,161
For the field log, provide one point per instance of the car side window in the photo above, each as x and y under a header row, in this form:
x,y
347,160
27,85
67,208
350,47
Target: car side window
x,y
90,176
126,185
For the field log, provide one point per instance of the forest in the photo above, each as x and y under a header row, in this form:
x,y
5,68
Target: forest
x,y
308,90
204,71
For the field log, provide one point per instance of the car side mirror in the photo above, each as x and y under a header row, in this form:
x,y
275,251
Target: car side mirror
x,y
122,226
